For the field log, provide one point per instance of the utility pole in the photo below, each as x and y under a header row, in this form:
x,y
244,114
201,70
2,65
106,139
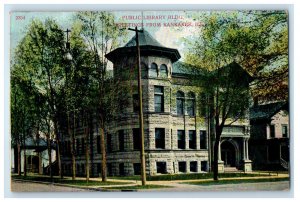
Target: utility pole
x,y
141,118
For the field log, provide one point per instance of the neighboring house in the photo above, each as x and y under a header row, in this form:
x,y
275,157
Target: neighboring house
x,y
177,135
36,156
269,142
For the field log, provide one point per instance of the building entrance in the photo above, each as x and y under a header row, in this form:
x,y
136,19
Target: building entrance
x,y
228,155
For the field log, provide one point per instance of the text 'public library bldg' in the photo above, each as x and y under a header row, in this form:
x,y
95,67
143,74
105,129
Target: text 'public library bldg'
x,y
178,137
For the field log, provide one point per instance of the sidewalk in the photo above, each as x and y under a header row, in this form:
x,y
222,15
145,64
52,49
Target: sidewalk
x,y
173,183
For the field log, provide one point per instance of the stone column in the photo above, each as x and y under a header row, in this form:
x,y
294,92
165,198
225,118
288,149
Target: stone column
x,y
247,162
220,162
247,149
219,156
244,150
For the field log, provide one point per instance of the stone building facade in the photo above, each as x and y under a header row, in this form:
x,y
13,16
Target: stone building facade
x,y
177,134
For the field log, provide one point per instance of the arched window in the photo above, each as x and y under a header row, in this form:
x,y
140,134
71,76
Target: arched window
x,y
163,71
144,71
180,103
153,70
191,104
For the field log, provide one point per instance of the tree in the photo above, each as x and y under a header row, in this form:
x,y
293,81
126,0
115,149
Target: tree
x,y
40,56
255,40
24,116
102,35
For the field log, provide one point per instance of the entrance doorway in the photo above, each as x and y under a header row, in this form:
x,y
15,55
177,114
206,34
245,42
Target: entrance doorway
x,y
228,154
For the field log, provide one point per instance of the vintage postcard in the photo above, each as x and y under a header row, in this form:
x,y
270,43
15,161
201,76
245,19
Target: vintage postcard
x,y
161,101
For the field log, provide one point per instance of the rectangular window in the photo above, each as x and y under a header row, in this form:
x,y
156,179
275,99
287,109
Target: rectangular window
x,y
121,169
191,107
159,138
159,98
181,139
98,145
98,168
136,139
192,139
77,168
204,166
180,106
182,166
203,105
121,140
109,169
109,146
272,131
284,131
135,102
137,168
203,140
161,167
83,169
82,146
193,166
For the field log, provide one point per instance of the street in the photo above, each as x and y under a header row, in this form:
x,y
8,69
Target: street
x,y
17,186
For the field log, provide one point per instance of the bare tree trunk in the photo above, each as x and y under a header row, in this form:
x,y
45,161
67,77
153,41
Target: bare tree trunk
x,y
72,147
19,159
103,152
73,163
58,149
216,157
25,163
87,167
49,156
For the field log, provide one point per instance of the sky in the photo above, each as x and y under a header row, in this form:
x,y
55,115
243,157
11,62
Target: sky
x,y
168,35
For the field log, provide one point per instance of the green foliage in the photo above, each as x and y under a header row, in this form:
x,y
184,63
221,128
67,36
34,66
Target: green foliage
x,y
38,69
257,40
101,36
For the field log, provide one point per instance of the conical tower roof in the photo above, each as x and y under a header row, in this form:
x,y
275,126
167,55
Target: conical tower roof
x,y
149,46
145,39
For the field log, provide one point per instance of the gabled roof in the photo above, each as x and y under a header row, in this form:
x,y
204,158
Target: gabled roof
x,y
266,111
236,71
148,47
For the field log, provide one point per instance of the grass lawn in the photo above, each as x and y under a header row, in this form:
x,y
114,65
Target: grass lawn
x,y
124,188
237,181
194,176
81,182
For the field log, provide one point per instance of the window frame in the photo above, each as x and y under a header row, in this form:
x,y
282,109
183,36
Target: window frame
x,y
182,164
121,140
135,102
180,98
286,130
159,95
182,145
162,66
196,166
136,137
191,104
163,167
160,142
192,143
153,67
203,139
